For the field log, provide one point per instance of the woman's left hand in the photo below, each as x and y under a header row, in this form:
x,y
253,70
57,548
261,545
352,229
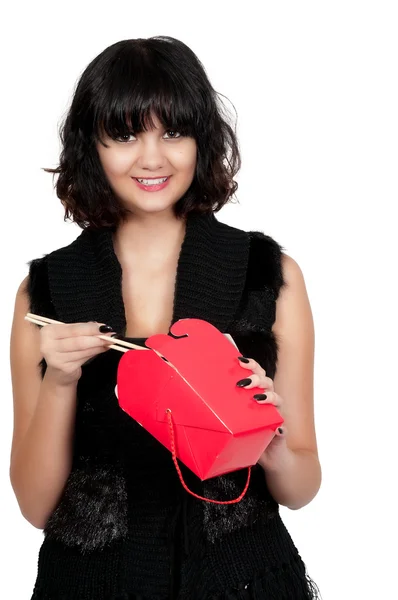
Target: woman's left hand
x,y
277,452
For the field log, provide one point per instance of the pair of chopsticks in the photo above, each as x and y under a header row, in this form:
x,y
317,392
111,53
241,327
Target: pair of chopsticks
x,y
119,345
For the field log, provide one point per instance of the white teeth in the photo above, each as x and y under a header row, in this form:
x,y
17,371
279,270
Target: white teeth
x,y
152,181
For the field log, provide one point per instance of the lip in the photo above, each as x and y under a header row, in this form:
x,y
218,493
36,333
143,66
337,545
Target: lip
x,y
152,188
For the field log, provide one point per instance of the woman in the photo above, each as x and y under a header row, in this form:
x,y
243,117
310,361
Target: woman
x,y
147,159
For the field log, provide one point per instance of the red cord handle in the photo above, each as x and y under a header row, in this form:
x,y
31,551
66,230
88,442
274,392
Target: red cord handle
x,y
174,455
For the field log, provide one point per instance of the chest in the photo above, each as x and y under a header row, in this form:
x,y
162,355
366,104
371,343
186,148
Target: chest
x,y
148,298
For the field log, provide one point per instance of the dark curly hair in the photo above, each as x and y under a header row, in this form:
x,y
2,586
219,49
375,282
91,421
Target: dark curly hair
x,y
118,93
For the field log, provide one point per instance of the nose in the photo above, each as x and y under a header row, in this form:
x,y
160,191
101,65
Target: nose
x,y
151,155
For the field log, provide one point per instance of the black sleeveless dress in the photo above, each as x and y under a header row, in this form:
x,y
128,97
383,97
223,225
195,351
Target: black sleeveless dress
x,y
124,528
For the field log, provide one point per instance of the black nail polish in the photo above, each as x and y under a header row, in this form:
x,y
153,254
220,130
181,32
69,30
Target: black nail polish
x,y
260,396
105,328
244,382
243,359
280,429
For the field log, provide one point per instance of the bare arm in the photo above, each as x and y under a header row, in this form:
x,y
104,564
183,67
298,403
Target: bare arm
x,y
294,479
298,482
44,410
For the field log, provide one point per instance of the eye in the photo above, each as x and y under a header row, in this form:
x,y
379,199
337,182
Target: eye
x,y
176,134
125,137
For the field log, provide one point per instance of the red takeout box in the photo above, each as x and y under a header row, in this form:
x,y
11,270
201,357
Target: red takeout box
x,y
218,427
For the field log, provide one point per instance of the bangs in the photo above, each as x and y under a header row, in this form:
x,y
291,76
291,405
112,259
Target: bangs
x,y
133,93
129,88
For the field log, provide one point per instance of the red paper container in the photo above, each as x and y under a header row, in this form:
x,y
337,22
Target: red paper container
x,y
218,427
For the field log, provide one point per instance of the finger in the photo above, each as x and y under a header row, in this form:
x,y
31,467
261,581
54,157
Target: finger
x,y
256,381
67,330
268,398
78,357
251,364
280,432
81,343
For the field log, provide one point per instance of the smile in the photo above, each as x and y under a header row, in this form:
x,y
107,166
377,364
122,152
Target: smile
x,y
152,185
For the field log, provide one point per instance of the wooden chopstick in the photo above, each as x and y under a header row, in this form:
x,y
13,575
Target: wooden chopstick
x,y
120,345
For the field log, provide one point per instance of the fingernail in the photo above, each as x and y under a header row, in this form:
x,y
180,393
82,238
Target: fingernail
x,y
105,328
243,359
280,429
260,396
244,382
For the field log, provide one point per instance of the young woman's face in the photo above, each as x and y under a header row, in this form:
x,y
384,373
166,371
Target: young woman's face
x,y
133,164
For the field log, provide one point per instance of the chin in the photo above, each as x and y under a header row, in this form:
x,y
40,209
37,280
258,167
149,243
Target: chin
x,y
149,208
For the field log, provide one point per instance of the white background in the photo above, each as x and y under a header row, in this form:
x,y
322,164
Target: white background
x,y
315,87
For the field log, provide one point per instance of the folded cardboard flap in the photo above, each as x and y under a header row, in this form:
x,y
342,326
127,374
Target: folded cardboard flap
x,y
218,427
207,363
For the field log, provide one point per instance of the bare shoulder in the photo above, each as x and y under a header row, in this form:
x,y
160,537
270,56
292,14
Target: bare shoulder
x,y
294,331
292,273
25,357
289,264
292,306
21,307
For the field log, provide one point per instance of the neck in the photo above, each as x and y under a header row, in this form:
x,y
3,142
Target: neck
x,y
210,279
149,236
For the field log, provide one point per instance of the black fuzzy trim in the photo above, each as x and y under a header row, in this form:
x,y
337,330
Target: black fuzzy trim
x,y
38,290
256,505
92,511
252,332
264,267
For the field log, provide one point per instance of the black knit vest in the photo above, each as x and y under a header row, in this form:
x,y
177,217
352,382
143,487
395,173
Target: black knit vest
x,y
124,527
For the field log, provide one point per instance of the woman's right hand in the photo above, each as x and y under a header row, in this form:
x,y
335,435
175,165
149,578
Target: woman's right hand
x,y
66,347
